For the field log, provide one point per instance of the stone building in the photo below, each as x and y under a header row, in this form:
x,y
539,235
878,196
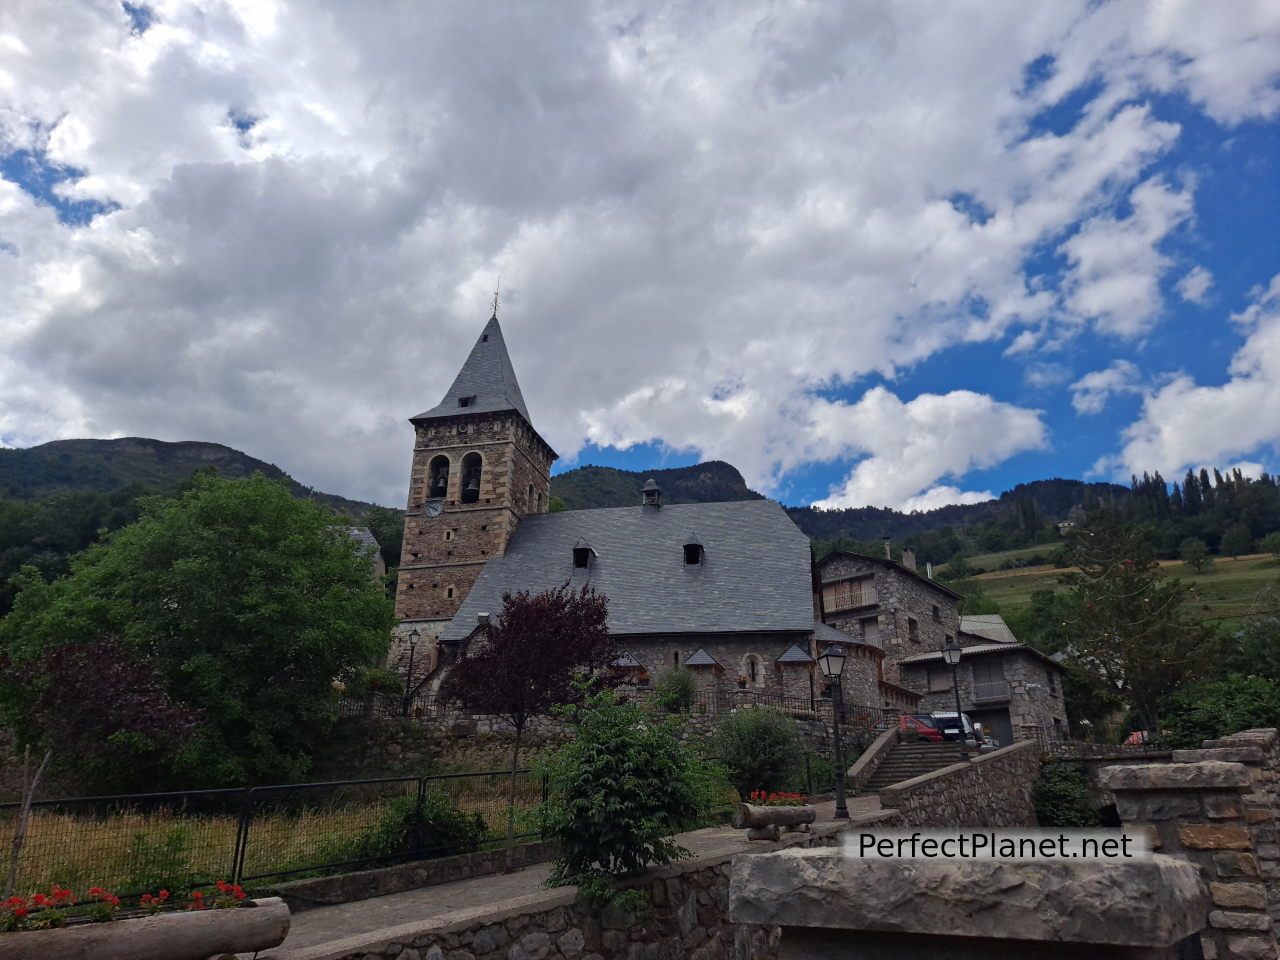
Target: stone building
x,y
887,604
1004,685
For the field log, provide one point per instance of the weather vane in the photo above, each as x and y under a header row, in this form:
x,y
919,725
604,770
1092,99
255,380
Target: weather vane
x,y
496,288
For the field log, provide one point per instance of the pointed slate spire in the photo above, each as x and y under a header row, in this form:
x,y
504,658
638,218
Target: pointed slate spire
x,y
486,383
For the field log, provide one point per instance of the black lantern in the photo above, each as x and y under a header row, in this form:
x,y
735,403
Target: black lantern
x,y
831,663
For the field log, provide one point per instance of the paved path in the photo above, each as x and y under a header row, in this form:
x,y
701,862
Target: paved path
x,y
311,928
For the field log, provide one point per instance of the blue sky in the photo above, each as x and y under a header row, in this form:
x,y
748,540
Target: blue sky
x,y
899,255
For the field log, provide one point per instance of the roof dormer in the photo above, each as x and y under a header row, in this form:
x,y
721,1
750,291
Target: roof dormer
x,y
582,555
693,551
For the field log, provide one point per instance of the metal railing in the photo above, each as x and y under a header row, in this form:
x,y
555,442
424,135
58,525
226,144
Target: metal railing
x,y
138,843
989,691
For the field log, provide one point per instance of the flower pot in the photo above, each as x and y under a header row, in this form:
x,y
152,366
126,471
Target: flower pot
x,y
186,935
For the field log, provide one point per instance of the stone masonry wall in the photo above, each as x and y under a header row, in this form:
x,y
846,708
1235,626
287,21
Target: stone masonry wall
x,y
1218,815
990,790
900,595
1034,699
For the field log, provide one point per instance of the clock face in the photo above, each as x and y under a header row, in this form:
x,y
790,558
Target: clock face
x,y
434,508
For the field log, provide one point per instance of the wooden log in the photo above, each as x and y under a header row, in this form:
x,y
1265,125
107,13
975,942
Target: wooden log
x,y
184,935
749,815
771,832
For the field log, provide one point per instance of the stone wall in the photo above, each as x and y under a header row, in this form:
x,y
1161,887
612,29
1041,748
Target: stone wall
x,y
689,920
659,653
1219,815
990,790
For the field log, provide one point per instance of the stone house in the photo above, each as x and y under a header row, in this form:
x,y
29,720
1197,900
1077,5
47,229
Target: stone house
x,y
1004,685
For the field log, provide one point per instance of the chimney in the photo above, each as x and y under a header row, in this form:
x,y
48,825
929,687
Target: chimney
x,y
908,558
652,495
928,569
888,554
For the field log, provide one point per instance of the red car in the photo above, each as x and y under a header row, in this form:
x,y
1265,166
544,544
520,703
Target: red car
x,y
924,725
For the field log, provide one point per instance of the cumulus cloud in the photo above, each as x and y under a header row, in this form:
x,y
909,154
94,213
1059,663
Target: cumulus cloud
x,y
1195,284
1090,393
707,217
1185,423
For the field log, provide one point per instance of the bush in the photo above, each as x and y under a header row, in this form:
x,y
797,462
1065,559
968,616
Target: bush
x,y
618,792
676,690
1061,796
1213,710
760,748
444,829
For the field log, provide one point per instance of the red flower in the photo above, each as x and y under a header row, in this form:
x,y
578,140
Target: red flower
x,y
40,900
95,891
20,911
164,894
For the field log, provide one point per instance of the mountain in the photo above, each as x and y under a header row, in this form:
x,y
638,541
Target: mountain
x,y
587,488
104,465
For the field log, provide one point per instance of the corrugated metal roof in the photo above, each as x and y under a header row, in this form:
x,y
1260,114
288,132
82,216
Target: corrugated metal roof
x,y
989,625
980,649
754,574
488,376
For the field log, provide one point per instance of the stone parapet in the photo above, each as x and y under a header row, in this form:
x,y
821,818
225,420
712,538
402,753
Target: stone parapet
x,y
826,903
990,790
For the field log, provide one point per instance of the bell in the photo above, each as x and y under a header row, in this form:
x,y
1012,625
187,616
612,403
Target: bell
x,y
473,485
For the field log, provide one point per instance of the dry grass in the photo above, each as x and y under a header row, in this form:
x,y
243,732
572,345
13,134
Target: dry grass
x,y
130,850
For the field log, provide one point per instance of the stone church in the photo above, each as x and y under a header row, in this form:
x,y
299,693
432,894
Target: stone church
x,y
729,590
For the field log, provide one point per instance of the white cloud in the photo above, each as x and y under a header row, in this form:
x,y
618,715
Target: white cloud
x,y
1184,423
1042,376
1090,393
705,216
1194,286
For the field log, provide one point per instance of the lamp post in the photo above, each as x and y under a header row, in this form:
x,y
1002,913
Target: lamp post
x,y
832,663
951,653
408,679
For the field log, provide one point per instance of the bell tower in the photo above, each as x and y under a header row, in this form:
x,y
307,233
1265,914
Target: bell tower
x,y
479,467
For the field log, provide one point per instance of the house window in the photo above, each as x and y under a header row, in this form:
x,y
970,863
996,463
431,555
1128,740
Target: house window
x,y
845,594
753,669
675,657
870,629
939,679
692,554
467,401
582,557
448,593
937,614
913,630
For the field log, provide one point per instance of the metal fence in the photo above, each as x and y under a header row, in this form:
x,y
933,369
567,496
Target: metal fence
x,y
140,843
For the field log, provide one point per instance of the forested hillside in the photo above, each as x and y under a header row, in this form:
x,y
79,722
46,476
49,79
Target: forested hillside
x,y
588,488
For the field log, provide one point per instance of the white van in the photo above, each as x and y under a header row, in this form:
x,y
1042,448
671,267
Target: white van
x,y
947,724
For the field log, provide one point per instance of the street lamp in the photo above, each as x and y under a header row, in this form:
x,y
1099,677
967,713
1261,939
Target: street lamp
x,y
951,653
831,663
414,636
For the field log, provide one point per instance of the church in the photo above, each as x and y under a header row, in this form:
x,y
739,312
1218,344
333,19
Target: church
x,y
728,590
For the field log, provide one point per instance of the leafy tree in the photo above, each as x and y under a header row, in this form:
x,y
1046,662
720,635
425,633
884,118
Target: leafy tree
x,y
1129,634
100,710
1194,553
1213,710
1060,796
759,747
676,690
1235,541
528,659
245,602
619,791
1271,544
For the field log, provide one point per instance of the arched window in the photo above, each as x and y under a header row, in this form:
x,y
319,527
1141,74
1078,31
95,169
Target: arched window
x,y
529,502
753,669
472,466
438,477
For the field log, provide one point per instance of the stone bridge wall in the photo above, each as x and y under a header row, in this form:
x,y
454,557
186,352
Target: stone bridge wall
x,y
990,790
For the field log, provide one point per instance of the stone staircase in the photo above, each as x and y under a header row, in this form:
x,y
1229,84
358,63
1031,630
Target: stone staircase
x,y
907,760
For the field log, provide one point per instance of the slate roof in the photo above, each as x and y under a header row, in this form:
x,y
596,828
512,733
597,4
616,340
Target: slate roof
x,y
826,635
754,575
362,536
980,649
627,660
988,625
701,658
486,375
794,655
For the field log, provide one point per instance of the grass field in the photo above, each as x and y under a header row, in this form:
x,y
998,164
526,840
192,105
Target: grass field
x,y
128,850
1227,591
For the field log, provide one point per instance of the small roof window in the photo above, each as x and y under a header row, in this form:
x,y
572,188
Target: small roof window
x,y
467,401
582,554
693,551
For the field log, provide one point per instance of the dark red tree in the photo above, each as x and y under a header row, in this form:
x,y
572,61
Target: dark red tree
x,y
526,661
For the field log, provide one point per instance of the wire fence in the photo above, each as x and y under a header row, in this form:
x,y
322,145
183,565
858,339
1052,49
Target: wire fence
x,y
138,843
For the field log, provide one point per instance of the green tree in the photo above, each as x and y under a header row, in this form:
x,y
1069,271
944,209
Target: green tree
x,y
246,603
1211,710
1060,796
1194,553
1235,541
759,747
1129,634
619,791
1271,544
